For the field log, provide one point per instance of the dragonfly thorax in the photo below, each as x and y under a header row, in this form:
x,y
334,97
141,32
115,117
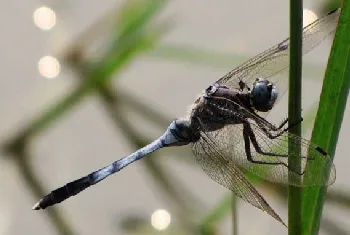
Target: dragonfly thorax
x,y
263,95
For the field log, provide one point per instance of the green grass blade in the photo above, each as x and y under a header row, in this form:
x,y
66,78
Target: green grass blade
x,y
294,110
330,114
136,14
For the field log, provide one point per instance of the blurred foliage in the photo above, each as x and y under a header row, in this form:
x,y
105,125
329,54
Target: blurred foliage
x,y
138,34
134,32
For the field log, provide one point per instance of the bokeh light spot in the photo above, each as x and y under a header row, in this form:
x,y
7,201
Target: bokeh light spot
x,y
308,17
160,219
44,18
49,67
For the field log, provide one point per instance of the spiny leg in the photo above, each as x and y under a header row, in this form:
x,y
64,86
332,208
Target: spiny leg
x,y
283,123
279,130
272,127
248,136
268,128
269,133
254,141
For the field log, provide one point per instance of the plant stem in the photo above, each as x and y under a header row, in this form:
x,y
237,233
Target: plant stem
x,y
294,110
234,215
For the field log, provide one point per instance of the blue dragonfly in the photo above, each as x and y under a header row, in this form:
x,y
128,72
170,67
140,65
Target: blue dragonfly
x,y
227,131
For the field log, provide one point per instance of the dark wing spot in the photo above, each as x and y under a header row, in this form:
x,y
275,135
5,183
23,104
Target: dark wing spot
x,y
321,151
331,12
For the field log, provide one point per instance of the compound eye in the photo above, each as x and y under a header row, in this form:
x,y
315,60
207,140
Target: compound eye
x,y
263,95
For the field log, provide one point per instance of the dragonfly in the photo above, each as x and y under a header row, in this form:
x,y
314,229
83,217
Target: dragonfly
x,y
227,131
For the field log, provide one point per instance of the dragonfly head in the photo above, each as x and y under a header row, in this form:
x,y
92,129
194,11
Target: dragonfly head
x,y
263,95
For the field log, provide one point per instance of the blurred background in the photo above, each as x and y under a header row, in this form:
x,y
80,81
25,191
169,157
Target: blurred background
x,y
84,83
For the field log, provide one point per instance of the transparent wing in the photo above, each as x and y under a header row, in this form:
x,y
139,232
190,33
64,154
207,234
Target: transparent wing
x,y
219,168
276,58
236,142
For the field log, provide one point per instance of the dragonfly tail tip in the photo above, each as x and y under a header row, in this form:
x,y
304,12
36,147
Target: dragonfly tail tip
x,y
36,206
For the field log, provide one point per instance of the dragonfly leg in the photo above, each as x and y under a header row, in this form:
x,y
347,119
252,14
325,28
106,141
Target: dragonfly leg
x,y
272,134
249,136
271,130
268,128
283,123
280,126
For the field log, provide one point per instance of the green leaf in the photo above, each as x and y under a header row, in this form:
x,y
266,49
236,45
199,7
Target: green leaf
x,y
136,14
329,116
